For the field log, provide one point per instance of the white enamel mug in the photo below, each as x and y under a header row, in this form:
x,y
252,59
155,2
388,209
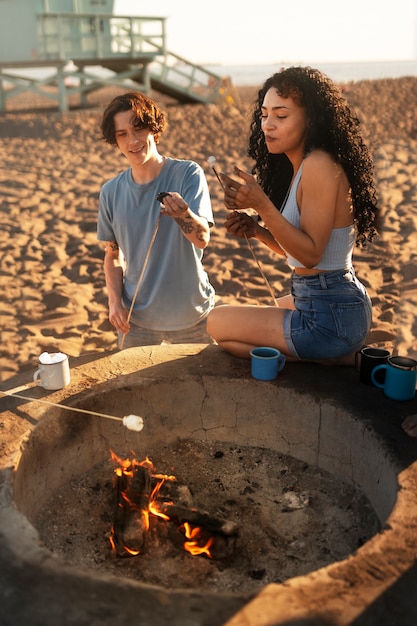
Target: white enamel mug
x,y
53,371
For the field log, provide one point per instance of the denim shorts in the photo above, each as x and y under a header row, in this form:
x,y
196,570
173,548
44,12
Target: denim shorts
x,y
332,318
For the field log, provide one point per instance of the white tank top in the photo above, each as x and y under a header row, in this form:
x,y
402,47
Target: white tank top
x,y
338,252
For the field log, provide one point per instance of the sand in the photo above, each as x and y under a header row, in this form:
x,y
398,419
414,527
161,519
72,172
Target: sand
x,y
53,164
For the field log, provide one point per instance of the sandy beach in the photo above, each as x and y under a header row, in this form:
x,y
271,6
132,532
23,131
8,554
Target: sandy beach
x,y
53,164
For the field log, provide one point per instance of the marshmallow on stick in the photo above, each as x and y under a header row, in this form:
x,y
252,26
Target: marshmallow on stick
x,y
212,161
132,422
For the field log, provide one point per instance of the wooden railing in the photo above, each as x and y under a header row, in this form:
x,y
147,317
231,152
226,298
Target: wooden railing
x,y
68,36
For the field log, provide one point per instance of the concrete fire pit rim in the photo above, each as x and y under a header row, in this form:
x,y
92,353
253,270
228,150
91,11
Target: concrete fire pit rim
x,y
380,549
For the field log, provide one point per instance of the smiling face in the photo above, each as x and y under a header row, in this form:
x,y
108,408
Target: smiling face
x,y
136,144
284,124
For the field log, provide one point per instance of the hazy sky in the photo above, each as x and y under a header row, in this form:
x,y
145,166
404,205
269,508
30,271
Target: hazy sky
x,y
232,32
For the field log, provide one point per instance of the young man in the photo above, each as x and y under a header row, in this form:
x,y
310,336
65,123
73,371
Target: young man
x,y
157,287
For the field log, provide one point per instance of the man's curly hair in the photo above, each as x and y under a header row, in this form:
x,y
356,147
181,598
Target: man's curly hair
x,y
145,114
333,127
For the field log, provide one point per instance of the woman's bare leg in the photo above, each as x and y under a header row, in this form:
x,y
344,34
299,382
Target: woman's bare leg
x,y
238,329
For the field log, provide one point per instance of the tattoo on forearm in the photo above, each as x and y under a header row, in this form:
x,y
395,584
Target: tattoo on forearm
x,y
185,225
114,246
188,226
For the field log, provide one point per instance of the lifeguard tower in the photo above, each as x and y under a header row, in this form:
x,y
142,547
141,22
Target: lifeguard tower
x,y
67,41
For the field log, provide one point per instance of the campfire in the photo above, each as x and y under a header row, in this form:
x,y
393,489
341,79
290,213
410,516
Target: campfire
x,y
147,501
220,517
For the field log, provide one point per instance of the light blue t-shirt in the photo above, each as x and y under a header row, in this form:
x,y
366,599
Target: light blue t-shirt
x,y
175,292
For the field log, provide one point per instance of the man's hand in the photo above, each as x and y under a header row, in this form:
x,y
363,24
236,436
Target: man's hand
x,y
118,317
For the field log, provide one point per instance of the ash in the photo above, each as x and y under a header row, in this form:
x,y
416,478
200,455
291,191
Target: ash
x,y
293,519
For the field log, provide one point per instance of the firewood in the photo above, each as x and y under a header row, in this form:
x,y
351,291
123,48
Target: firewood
x,y
131,517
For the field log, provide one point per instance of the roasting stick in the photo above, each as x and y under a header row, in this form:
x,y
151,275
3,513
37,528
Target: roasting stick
x,y
132,422
211,161
268,286
145,263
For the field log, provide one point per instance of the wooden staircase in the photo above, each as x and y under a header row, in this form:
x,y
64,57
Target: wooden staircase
x,y
174,76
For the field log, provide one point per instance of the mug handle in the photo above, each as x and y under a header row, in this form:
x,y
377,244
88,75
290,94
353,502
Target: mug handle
x,y
374,371
281,361
357,361
36,377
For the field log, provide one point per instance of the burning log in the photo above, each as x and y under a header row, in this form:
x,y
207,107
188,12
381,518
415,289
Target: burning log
x,y
131,519
141,493
205,534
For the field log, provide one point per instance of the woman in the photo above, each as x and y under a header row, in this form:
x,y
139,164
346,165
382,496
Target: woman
x,y
315,196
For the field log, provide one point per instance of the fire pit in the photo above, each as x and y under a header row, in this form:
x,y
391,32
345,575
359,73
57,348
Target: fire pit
x,y
242,448
247,516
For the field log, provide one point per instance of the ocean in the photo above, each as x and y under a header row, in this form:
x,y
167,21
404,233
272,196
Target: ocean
x,y
248,75
253,75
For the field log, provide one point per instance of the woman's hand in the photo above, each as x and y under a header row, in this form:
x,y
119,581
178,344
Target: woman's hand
x,y
246,195
240,225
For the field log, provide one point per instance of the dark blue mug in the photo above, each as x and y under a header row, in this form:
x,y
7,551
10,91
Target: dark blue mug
x,y
400,377
366,361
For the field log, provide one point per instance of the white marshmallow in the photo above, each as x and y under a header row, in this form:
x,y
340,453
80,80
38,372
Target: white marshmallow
x,y
133,422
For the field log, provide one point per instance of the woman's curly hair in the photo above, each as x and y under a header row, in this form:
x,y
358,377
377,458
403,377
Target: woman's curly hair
x,y
332,127
145,114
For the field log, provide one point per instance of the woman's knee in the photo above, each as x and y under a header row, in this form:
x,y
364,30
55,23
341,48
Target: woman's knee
x,y
213,320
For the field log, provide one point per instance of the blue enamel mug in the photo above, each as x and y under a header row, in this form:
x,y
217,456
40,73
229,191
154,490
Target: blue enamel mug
x,y
266,363
400,377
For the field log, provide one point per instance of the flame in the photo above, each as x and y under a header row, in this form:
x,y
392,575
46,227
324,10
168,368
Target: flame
x,y
132,552
155,510
196,543
192,546
153,505
126,466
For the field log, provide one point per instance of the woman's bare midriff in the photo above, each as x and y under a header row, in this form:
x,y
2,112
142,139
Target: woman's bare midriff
x,y
306,271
